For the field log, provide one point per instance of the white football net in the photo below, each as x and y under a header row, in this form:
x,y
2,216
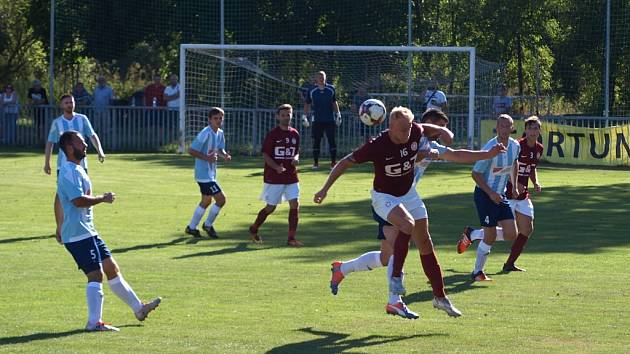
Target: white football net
x,y
248,82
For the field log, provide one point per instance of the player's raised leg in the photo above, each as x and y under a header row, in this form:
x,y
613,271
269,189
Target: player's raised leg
x,y
123,290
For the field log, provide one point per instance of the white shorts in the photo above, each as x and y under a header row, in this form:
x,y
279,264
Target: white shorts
x,y
384,203
524,207
274,194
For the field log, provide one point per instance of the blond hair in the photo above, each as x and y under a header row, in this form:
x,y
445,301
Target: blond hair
x,y
401,112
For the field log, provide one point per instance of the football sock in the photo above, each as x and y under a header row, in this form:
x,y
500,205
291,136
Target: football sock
x,y
293,222
517,248
364,262
212,215
483,250
477,234
197,215
94,293
432,270
393,298
260,219
120,287
401,248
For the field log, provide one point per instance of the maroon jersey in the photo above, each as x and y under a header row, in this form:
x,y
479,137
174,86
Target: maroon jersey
x,y
281,146
528,159
393,163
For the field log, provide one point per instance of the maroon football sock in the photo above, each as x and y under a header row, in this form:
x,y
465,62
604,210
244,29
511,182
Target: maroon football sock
x,y
517,248
401,247
293,222
260,219
432,270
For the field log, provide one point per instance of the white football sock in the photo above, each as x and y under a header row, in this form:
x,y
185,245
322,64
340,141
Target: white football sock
x,y
366,261
120,287
483,250
212,215
477,234
393,298
197,215
94,293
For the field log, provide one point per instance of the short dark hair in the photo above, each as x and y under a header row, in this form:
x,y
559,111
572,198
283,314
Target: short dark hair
x,y
64,96
66,138
283,107
433,114
214,111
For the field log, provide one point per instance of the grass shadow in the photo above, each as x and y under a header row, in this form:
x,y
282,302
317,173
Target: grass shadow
x,y
26,238
331,342
38,336
241,247
177,241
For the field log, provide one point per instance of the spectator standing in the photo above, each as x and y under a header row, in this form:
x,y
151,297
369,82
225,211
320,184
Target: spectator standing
x,y
154,92
171,92
103,98
81,96
9,103
38,99
502,104
434,98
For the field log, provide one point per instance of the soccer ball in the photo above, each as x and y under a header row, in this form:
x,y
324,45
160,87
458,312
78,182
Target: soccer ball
x,y
372,112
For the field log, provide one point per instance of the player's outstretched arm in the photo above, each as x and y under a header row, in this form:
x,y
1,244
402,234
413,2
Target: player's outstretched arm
x,y
336,172
434,132
99,148
470,156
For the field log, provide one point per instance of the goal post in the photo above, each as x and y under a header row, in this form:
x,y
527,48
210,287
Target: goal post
x,y
250,80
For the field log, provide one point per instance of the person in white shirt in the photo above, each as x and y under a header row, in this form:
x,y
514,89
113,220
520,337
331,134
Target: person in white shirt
x,y
434,98
171,92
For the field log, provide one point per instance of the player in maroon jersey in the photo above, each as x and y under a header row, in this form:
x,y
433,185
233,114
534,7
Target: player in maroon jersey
x,y
522,207
281,151
393,154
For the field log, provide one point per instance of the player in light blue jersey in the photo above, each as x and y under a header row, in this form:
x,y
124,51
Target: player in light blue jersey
x,y
430,150
82,240
493,208
69,120
207,147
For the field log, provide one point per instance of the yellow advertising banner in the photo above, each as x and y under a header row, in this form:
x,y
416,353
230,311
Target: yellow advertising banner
x,y
574,145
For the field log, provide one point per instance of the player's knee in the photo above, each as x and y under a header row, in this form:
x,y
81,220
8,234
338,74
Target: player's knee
x,y
95,276
270,208
221,202
407,226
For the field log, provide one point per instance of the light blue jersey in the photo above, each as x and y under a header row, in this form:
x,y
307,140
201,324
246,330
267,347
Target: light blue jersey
x,y
422,165
206,142
496,171
80,123
72,183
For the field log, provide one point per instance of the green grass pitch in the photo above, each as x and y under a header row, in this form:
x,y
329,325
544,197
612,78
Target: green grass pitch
x,y
230,296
